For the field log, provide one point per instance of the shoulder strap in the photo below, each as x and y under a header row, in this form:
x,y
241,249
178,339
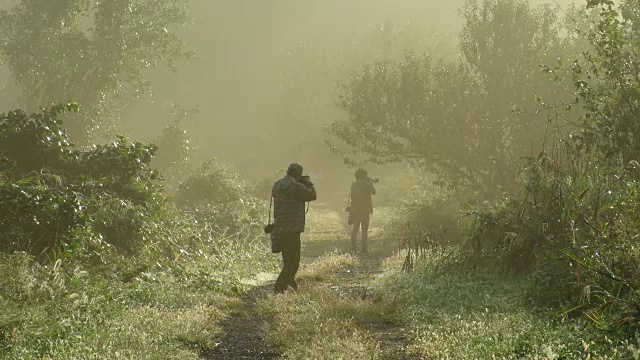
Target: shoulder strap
x,y
270,205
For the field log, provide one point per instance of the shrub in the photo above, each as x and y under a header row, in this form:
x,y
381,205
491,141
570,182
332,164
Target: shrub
x,y
574,230
428,225
573,227
175,149
217,196
50,190
261,187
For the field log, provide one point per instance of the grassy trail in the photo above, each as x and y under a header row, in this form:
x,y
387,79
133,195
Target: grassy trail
x,y
335,314
362,307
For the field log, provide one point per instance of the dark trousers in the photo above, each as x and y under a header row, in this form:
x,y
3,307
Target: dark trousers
x,y
290,245
360,221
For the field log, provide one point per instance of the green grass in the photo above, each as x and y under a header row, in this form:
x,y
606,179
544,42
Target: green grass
x,y
322,321
477,317
344,309
344,313
335,314
73,311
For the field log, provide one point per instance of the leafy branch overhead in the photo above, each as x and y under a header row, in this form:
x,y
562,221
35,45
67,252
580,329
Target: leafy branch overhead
x,y
606,82
95,52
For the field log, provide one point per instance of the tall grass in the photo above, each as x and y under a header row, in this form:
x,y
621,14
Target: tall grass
x,y
144,308
568,239
574,228
97,263
465,316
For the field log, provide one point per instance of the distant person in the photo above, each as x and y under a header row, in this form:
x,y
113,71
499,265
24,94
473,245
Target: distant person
x,y
289,196
361,207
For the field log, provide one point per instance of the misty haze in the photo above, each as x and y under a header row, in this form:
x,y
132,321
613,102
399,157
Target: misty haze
x,y
362,179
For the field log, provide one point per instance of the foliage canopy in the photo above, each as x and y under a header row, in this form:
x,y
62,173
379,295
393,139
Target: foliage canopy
x,y
468,122
94,52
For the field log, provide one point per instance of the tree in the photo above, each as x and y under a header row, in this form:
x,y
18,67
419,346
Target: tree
x,y
93,52
471,121
420,110
175,148
503,43
607,83
309,75
630,10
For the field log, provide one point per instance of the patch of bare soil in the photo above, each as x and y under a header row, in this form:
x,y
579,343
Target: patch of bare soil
x,y
242,334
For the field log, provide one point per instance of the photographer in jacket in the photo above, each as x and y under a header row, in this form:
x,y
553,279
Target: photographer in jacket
x,y
361,207
289,197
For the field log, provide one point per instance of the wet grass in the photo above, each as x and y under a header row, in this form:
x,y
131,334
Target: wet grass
x,y
71,311
362,306
336,314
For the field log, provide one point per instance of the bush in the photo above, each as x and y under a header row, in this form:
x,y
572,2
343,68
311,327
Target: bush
x,y
574,229
261,187
574,226
51,191
428,225
217,196
175,149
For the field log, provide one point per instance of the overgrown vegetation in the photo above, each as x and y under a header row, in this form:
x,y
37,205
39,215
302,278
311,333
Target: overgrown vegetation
x,y
521,229
574,225
216,195
52,193
558,185
467,121
467,316
97,263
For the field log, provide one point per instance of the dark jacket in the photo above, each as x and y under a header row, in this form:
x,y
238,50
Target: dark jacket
x,y
361,202
289,197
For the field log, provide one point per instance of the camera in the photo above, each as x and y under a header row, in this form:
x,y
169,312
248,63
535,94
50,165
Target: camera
x,y
374,180
305,180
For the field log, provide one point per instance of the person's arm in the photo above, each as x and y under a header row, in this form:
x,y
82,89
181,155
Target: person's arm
x,y
373,189
304,192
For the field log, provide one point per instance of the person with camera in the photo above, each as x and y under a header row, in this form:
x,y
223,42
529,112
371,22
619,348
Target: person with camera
x,y
289,197
361,208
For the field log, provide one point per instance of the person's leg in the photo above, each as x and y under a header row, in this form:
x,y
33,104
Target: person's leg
x,y
290,262
283,279
295,260
354,231
293,284
365,233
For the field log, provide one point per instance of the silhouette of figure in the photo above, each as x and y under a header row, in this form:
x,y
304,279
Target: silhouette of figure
x,y
361,207
289,196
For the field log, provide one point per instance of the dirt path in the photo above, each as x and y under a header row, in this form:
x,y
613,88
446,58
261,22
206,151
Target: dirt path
x,y
391,338
243,333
